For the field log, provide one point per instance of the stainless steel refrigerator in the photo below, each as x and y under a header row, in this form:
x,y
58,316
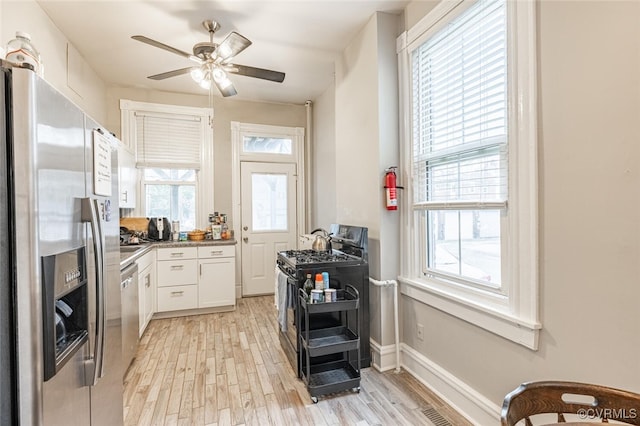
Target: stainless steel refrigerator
x,y
61,329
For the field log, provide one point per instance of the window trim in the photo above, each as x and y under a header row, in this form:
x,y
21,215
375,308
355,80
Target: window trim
x,y
514,315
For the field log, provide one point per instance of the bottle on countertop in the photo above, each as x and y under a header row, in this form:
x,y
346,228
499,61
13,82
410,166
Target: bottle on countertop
x,y
20,50
308,286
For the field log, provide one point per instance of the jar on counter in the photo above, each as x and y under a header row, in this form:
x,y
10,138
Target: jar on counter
x,y
224,231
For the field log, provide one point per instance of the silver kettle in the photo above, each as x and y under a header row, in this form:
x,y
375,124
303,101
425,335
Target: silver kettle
x,y
321,243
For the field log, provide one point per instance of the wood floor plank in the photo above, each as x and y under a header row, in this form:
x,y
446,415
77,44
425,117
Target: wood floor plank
x,y
210,405
229,368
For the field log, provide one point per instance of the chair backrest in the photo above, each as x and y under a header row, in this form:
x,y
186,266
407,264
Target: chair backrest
x,y
589,402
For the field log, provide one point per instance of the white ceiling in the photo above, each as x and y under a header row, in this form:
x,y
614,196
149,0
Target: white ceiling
x,y
301,38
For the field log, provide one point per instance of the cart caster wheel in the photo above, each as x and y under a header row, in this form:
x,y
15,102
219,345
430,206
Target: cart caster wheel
x,y
314,399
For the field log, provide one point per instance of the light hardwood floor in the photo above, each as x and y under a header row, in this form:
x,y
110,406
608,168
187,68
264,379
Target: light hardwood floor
x,y
229,369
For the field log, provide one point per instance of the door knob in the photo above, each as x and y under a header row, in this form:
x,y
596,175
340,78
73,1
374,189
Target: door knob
x,y
245,239
246,228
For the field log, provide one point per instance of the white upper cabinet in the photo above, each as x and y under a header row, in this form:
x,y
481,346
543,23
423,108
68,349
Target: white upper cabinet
x,y
127,177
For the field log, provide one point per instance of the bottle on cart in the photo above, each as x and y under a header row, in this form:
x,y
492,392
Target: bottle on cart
x,y
308,286
325,280
319,282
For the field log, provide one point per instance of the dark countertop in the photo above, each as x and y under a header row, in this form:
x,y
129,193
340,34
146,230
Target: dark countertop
x,y
131,253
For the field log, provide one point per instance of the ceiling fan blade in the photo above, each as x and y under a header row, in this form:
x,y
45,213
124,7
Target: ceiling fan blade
x,y
171,49
262,73
233,44
226,89
171,73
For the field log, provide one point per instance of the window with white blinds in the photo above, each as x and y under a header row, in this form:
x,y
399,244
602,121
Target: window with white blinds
x,y
168,141
468,87
459,79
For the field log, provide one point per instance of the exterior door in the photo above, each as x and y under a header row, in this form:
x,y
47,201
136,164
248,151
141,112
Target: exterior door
x,y
268,223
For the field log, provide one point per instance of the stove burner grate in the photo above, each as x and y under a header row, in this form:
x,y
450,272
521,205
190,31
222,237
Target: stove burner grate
x,y
312,256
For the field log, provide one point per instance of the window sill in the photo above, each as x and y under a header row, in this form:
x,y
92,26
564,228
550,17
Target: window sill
x,y
509,326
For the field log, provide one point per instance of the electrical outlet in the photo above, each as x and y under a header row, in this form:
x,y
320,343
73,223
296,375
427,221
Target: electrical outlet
x,y
420,331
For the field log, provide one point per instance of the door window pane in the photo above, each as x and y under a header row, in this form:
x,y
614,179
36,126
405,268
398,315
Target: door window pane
x,y
269,202
259,144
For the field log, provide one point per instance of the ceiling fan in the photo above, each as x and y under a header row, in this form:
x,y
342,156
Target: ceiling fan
x,y
213,61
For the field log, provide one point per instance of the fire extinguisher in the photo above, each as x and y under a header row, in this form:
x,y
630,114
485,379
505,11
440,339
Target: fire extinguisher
x,y
391,188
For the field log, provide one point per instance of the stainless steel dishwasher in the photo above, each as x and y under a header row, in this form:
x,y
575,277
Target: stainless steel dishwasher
x,y
130,317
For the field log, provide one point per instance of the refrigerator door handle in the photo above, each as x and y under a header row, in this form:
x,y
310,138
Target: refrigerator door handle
x,y
91,214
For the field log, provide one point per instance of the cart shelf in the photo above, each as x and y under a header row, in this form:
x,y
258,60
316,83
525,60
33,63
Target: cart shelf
x,y
334,376
330,340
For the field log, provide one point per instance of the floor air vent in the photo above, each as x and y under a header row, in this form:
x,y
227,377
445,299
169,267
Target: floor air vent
x,y
435,417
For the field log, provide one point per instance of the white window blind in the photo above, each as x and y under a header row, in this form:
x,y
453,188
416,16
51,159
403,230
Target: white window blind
x,y
169,141
460,112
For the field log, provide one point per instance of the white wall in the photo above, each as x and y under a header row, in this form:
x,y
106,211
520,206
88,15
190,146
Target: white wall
x,y
74,78
589,179
366,142
323,155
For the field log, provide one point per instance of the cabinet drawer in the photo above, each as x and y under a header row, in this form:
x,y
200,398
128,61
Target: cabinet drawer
x,y
210,252
177,272
176,253
177,298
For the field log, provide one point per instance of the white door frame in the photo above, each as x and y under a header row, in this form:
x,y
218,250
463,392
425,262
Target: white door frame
x,y
238,130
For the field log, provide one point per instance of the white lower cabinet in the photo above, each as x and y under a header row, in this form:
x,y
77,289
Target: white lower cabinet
x,y
146,288
195,277
217,281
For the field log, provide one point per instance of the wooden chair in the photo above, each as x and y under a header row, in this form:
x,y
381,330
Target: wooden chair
x,y
589,402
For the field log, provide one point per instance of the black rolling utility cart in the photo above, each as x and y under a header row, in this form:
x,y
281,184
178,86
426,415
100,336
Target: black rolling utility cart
x,y
330,357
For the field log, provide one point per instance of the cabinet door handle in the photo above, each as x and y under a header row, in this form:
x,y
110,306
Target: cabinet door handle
x,y
177,254
125,197
216,252
147,281
177,293
174,267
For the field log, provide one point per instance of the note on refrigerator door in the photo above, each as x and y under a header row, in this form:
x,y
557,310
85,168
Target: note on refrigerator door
x,y
101,164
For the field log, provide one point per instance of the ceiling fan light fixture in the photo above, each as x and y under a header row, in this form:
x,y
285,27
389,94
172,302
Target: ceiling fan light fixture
x,y
219,75
205,84
197,74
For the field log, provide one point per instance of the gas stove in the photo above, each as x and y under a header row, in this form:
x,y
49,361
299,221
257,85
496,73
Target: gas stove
x,y
345,264
297,263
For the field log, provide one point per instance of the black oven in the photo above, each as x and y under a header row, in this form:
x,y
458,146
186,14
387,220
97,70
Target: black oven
x,y
344,267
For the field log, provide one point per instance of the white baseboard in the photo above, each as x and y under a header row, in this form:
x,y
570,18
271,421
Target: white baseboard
x,y
466,400
383,358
